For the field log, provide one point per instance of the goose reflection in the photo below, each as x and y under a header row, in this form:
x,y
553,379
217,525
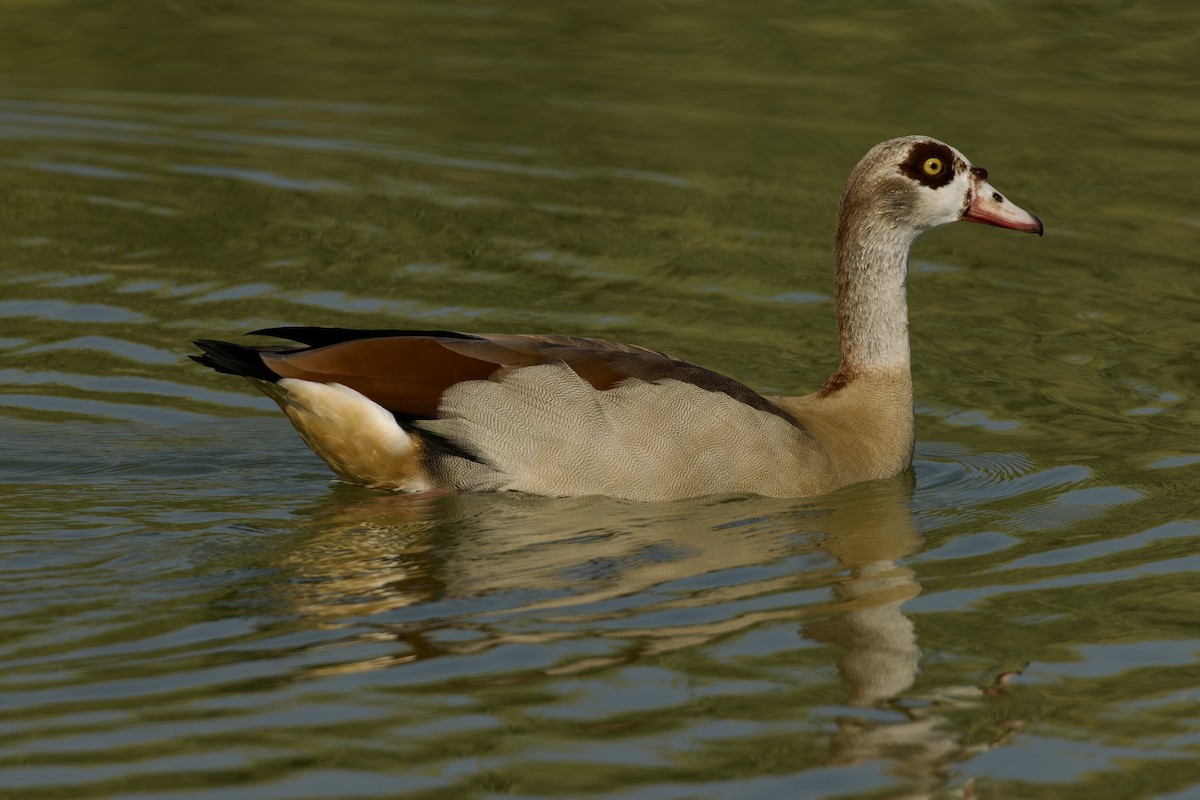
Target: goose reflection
x,y
655,579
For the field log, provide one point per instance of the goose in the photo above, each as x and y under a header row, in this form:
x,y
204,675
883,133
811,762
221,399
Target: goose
x,y
424,410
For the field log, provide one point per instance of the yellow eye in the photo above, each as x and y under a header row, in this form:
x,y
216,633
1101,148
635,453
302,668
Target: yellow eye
x,y
932,166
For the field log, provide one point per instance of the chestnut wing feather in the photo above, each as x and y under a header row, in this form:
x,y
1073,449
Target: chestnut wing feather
x,y
406,372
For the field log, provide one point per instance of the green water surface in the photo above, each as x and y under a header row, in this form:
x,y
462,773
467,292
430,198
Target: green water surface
x,y
191,608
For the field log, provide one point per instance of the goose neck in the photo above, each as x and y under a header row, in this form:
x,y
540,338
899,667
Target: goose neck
x,y
871,295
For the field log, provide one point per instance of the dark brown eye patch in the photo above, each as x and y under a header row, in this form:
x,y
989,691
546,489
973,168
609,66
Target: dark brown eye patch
x,y
930,164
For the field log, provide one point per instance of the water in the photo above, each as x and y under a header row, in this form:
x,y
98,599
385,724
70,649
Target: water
x,y
190,608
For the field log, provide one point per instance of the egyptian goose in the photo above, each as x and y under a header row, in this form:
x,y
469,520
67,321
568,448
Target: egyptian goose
x,y
566,415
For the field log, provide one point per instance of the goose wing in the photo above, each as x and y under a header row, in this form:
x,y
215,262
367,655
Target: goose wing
x,y
407,371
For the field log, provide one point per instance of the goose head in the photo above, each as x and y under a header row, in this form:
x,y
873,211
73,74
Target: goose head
x,y
905,187
900,190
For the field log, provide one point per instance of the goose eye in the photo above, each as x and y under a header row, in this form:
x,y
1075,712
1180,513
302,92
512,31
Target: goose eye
x,y
933,166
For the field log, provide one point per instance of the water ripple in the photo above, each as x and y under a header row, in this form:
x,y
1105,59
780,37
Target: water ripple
x,y
109,345
64,311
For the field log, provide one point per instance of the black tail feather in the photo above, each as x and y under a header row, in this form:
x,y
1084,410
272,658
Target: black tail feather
x,y
322,337
234,359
